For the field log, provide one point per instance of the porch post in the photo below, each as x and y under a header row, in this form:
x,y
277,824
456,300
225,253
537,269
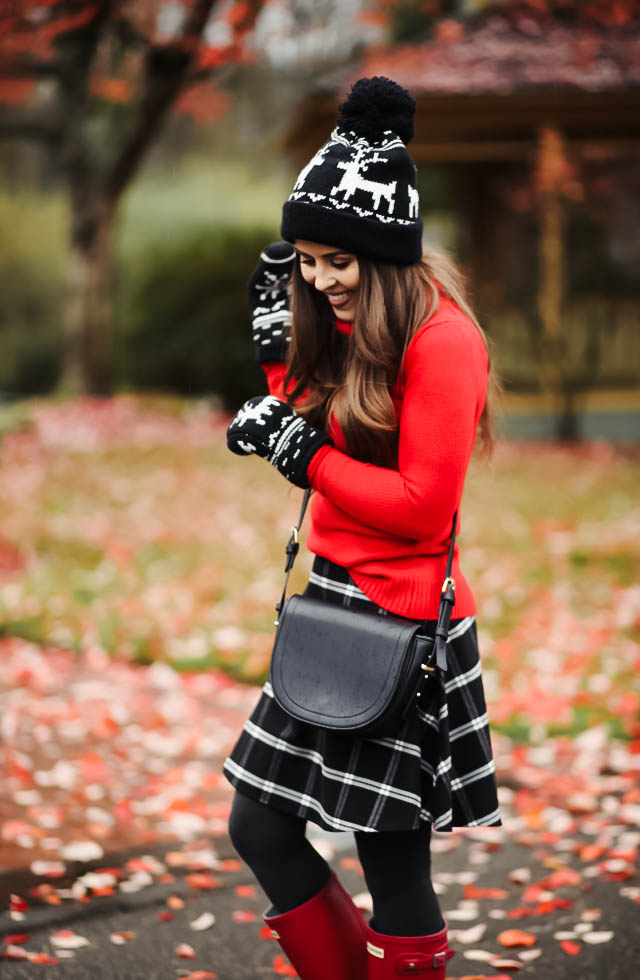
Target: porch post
x,y
551,175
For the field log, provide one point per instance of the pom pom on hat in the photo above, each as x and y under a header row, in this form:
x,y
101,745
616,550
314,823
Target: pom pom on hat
x,y
376,105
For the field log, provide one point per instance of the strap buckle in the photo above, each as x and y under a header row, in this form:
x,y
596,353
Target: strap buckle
x,y
449,583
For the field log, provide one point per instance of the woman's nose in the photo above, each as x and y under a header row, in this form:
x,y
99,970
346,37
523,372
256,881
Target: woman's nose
x,y
324,279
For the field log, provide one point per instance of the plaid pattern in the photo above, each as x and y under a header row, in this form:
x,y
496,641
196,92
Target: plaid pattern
x,y
437,768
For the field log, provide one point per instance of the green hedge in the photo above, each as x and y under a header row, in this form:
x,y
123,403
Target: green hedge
x,y
182,320
30,332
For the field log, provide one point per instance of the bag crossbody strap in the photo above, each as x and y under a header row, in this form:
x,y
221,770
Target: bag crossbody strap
x,y
292,549
447,596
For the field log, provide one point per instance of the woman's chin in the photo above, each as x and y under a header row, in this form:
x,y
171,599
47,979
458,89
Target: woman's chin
x,y
345,313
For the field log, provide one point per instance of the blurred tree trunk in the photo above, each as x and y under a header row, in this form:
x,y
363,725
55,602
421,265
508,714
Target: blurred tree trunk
x,y
94,197
87,312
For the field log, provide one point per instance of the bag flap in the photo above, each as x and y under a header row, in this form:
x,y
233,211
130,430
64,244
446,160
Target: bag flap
x,y
333,663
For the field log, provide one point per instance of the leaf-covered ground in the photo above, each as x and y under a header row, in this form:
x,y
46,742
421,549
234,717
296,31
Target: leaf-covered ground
x,y
127,527
139,565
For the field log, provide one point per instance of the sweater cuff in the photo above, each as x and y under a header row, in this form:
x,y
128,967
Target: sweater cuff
x,y
316,462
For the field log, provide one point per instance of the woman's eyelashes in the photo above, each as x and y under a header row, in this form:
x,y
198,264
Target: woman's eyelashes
x,y
334,265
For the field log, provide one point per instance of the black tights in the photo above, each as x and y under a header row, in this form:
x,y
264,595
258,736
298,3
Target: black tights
x,y
396,865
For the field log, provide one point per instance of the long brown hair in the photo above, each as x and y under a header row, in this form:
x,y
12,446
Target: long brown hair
x,y
351,376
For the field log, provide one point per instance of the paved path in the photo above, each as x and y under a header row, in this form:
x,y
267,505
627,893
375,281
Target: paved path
x,y
233,949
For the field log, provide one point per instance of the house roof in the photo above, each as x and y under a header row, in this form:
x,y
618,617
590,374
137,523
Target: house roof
x,y
485,85
513,49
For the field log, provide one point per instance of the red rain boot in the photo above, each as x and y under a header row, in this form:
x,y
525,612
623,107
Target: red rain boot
x,y
408,956
324,937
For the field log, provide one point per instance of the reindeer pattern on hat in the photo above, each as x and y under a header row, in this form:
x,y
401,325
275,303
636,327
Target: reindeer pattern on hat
x,y
352,161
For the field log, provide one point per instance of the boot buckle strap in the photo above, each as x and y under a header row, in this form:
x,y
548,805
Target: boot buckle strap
x,y
413,964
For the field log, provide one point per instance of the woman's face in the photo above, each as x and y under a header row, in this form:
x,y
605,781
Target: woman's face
x,y
333,272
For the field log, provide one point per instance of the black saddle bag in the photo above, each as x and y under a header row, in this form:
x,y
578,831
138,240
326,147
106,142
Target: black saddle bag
x,y
350,670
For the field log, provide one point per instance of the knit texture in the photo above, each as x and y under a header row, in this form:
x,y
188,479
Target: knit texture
x,y
391,527
267,426
268,291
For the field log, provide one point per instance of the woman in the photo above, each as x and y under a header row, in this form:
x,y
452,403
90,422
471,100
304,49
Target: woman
x,y
378,382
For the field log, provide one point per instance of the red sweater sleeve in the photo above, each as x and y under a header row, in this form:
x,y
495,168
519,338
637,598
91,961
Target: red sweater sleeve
x,y
275,372
445,376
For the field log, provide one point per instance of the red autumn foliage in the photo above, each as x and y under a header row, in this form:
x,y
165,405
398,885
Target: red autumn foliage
x,y
33,35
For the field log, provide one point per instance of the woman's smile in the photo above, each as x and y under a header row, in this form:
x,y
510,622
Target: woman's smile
x,y
339,299
333,272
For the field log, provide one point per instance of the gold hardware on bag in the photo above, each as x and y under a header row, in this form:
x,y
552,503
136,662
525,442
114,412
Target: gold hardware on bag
x,y
427,669
294,534
448,582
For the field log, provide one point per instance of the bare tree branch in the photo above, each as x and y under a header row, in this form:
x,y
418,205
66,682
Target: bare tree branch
x,y
166,69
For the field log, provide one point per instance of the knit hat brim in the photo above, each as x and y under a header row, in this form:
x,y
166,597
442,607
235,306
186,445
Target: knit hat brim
x,y
401,244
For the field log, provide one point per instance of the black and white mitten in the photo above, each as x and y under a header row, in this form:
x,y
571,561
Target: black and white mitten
x,y
267,426
269,302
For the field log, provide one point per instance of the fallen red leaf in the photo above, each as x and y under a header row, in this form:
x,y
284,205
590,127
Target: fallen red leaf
x,y
618,854
483,976
245,891
230,864
515,937
532,893
185,951
266,933
15,953
20,937
47,893
282,968
203,880
616,870
243,915
569,947
472,891
200,975
561,877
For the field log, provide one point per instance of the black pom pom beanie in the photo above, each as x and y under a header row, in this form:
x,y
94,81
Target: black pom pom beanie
x,y
359,191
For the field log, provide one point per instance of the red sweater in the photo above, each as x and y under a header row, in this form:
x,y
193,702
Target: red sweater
x,y
391,527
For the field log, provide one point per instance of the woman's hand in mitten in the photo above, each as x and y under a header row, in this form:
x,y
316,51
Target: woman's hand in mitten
x,y
269,302
269,427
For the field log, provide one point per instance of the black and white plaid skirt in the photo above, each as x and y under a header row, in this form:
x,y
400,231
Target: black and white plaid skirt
x,y
437,768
